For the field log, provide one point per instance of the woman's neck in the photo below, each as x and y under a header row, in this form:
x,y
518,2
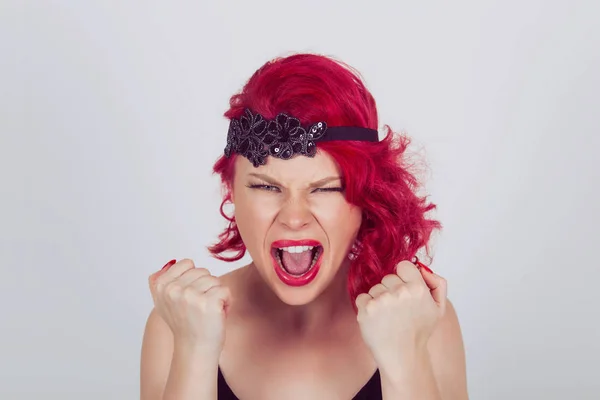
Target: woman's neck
x,y
331,307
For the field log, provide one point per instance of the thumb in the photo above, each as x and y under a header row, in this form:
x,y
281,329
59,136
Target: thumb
x,y
437,286
222,295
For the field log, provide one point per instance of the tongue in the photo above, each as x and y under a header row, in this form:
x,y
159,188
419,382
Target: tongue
x,y
296,263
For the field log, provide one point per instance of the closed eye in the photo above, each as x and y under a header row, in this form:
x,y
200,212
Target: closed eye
x,y
329,189
269,188
272,188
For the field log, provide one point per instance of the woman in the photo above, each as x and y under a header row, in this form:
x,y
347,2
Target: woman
x,y
331,306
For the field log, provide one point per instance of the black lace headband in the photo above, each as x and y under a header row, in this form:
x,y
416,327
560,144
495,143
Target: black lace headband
x,y
256,138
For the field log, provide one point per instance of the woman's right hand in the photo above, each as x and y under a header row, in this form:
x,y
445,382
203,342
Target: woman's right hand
x,y
193,303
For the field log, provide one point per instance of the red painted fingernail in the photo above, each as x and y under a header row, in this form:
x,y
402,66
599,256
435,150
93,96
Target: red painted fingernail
x,y
426,268
421,265
167,265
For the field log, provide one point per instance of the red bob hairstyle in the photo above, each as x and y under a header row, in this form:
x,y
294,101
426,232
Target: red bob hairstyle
x,y
376,177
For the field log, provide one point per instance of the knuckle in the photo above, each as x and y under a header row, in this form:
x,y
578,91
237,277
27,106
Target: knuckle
x,y
397,293
373,291
403,292
173,291
190,294
370,307
361,298
205,302
214,291
207,277
160,281
159,285
187,262
191,273
386,297
209,280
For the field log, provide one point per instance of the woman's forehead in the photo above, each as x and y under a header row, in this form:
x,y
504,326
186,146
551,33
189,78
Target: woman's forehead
x,y
296,169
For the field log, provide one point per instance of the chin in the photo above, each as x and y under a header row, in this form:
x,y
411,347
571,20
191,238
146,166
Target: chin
x,y
296,297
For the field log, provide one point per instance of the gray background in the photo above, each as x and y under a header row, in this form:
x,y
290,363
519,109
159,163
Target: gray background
x,y
111,118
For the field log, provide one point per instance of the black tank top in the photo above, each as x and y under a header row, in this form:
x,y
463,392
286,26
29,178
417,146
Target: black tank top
x,y
371,390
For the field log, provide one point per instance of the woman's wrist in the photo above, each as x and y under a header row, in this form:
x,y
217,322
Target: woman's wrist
x,y
195,352
410,375
193,373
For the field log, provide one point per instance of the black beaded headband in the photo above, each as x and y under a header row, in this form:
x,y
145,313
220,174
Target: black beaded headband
x,y
256,138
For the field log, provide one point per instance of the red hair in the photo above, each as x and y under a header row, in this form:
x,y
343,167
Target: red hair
x,y
315,88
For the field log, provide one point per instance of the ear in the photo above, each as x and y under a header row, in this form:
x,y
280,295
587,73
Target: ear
x,y
231,194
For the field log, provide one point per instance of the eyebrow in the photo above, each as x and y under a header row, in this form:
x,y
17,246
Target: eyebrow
x,y
273,181
266,178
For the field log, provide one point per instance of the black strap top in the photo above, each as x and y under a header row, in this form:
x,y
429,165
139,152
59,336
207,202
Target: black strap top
x,y
371,390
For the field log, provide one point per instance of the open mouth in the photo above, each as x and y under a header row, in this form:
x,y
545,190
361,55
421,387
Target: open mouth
x,y
297,260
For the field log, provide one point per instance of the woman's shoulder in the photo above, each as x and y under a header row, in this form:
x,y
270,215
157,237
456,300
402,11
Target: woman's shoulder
x,y
235,280
232,277
239,283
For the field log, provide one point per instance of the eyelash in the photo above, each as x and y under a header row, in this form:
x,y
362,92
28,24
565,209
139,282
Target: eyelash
x,y
271,188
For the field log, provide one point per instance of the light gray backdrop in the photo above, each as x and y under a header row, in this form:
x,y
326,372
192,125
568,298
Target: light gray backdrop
x,y
111,116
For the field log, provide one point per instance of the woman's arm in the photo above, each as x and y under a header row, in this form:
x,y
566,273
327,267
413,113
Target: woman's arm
x,y
438,372
447,352
174,371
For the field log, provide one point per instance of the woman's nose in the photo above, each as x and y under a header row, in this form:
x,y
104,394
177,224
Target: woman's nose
x,y
295,214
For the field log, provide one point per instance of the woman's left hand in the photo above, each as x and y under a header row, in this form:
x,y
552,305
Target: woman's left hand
x,y
399,314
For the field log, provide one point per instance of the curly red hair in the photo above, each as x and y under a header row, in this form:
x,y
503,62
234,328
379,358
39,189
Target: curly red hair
x,y
319,88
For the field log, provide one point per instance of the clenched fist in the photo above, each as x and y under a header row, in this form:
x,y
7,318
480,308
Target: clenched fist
x,y
400,313
193,303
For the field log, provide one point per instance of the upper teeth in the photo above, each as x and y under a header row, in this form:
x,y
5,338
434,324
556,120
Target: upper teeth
x,y
297,249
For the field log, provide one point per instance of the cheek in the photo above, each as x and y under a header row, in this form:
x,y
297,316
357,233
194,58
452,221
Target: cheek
x,y
340,220
253,216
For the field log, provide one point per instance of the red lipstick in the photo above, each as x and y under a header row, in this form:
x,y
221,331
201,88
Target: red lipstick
x,y
296,280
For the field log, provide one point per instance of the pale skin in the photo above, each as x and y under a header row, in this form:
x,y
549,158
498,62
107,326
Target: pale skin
x,y
274,341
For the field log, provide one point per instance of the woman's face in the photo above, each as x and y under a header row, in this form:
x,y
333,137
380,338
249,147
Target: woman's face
x,y
295,222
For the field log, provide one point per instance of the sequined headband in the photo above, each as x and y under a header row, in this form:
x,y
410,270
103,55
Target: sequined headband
x,y
256,138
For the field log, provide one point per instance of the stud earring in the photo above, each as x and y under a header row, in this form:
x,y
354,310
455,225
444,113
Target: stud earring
x,y
354,251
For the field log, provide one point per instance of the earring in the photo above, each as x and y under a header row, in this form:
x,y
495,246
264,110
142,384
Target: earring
x,y
354,251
